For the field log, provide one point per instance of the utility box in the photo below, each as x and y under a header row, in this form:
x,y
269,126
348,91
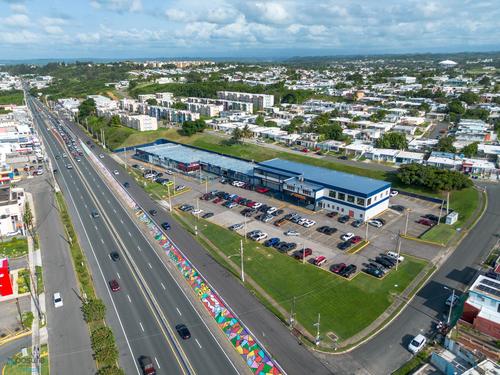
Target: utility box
x,y
452,218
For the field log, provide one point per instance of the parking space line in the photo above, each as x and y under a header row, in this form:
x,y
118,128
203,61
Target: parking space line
x,y
141,326
129,299
157,364
102,241
198,343
163,286
178,311
150,266
117,274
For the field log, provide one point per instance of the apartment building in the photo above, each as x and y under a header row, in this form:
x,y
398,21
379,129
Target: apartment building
x,y
171,114
259,101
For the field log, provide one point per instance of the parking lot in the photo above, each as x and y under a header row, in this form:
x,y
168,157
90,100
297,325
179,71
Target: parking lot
x,y
381,239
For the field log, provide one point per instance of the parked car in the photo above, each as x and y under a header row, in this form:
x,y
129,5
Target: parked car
x,y
344,245
197,212
272,242
347,236
116,172
357,223
183,331
235,227
417,344
208,215
337,268
394,193
291,233
58,302
343,219
426,222
262,190
259,236
349,270
374,272
279,222
126,184
320,260
375,223
395,256
302,253
332,214
452,300
356,239
431,217
325,229
397,207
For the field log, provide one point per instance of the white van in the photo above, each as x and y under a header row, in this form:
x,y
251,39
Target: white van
x,y
394,255
417,344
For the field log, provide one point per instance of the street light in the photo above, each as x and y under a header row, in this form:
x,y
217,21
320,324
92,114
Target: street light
x,y
451,303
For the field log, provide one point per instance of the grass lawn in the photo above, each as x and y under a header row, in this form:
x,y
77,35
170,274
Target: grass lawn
x,y
464,202
346,307
39,279
14,248
159,191
22,365
23,281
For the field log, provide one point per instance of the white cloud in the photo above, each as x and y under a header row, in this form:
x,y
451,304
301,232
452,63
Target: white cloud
x,y
118,5
54,30
18,8
272,12
17,20
53,21
88,37
18,37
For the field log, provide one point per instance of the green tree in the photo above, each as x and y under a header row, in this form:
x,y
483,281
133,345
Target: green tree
x,y
86,108
114,121
294,125
424,107
101,337
110,370
191,127
378,116
485,81
393,140
107,355
470,150
246,132
332,131
433,178
28,219
445,144
477,113
456,106
271,124
180,105
469,97
236,135
152,101
259,120
93,310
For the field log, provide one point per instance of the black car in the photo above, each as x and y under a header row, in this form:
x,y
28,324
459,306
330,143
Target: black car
x,y
147,365
344,245
165,225
183,331
384,262
326,230
114,256
95,214
343,219
208,215
126,184
374,272
264,208
343,157
153,212
431,217
348,271
398,207
357,223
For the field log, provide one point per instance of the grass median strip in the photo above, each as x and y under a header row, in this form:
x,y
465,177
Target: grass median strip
x,y
346,307
93,309
14,248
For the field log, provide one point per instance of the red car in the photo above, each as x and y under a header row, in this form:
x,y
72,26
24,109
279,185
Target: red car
x,y
320,260
356,239
426,222
250,204
217,200
262,190
113,284
303,253
337,268
305,150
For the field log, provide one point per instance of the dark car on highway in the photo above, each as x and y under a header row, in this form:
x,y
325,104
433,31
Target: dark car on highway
x,y
126,184
147,366
183,331
114,256
153,212
165,225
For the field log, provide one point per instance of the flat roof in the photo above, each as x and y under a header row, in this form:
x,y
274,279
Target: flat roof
x,y
328,177
188,155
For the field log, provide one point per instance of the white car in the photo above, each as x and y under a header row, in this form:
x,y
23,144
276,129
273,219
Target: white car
x,y
375,223
168,171
257,205
452,297
417,344
116,172
309,223
395,255
291,233
58,302
302,221
197,212
271,210
347,236
394,193
259,237
101,156
236,227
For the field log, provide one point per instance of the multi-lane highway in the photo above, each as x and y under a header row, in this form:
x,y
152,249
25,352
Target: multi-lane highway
x,y
144,312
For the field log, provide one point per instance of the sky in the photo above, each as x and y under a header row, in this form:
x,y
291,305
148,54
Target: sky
x,y
54,29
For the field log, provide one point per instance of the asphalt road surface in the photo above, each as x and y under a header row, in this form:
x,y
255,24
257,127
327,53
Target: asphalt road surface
x,y
275,336
143,322
8,350
69,342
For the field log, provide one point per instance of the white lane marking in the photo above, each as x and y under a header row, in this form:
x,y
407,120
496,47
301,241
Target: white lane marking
x,y
129,298
114,210
108,201
85,206
163,286
102,241
121,221
178,311
117,274
130,234
141,326
95,226
157,364
198,342
138,248
149,264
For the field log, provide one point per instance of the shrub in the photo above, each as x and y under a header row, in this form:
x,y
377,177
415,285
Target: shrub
x,y
93,310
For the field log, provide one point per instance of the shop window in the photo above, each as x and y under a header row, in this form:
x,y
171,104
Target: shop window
x,y
306,192
369,201
350,198
341,196
332,194
360,201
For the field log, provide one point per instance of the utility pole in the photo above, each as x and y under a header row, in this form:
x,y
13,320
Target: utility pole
x,y
441,211
366,231
406,223
169,198
317,330
451,306
292,314
398,249
242,259
303,255
447,203
19,312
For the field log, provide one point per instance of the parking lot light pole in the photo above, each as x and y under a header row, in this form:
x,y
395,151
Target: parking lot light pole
x,y
303,255
366,231
407,218
242,258
398,249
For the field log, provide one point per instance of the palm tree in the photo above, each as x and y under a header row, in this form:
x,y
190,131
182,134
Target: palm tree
x,y
246,132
